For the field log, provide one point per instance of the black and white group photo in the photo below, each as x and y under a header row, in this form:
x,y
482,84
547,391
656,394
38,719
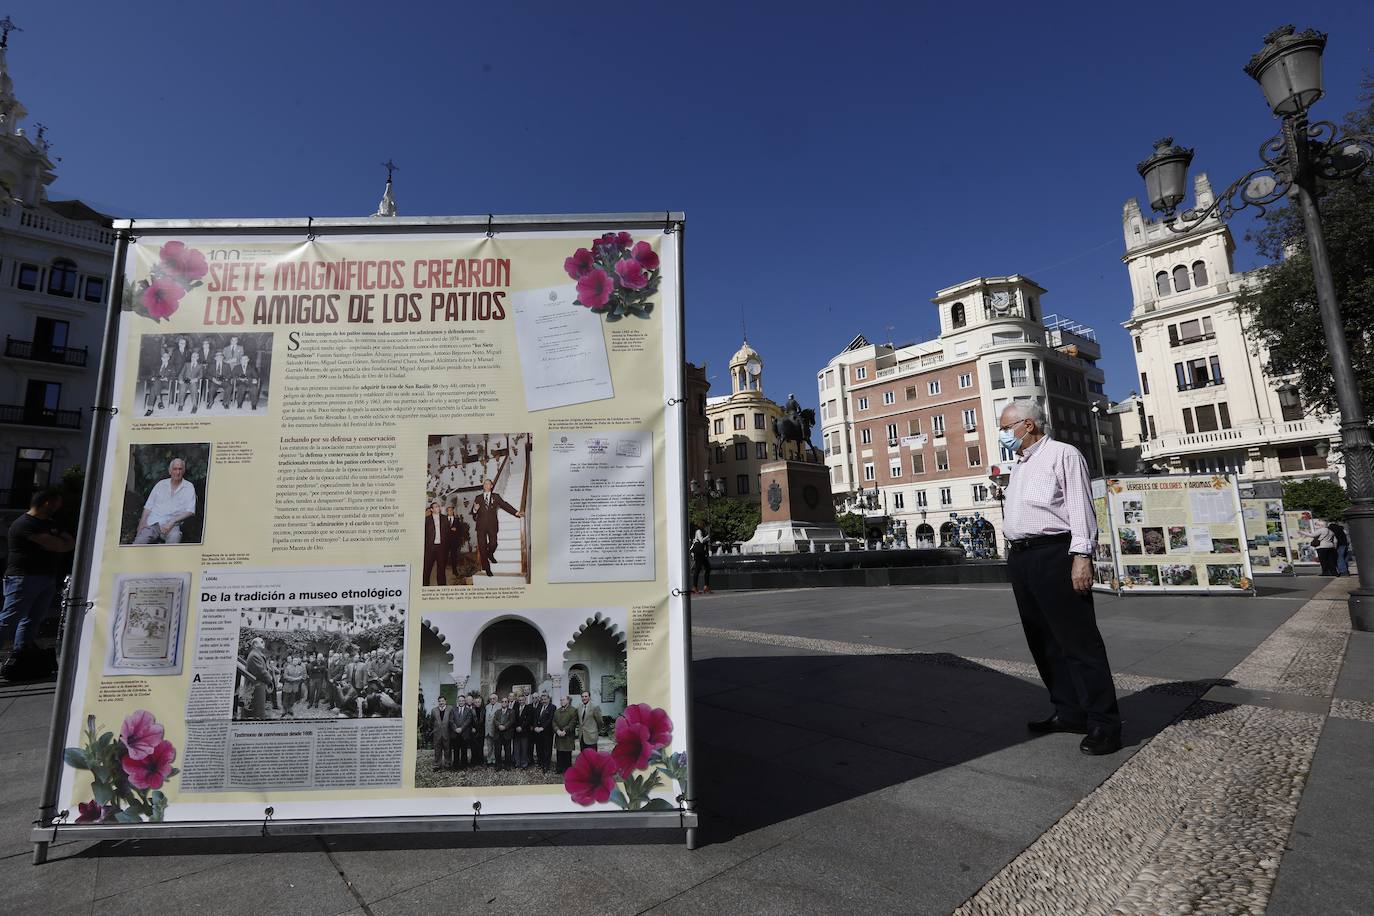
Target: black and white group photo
x,y
166,492
476,527
342,661
213,374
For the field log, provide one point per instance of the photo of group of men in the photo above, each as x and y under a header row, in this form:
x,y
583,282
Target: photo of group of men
x,y
513,732
313,663
217,373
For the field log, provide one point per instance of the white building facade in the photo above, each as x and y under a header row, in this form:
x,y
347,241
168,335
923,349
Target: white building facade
x,y
1206,402
55,259
917,424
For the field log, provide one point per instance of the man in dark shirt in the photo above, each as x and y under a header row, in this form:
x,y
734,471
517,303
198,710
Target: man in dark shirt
x,y
36,546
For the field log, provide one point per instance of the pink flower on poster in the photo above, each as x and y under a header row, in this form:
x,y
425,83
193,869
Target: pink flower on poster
x,y
594,290
580,264
632,747
644,253
631,274
591,778
659,725
141,734
152,770
162,298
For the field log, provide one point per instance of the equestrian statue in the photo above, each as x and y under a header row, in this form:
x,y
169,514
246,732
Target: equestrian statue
x,y
795,427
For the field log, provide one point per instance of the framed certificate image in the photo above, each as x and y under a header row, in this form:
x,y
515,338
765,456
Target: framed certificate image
x,y
149,616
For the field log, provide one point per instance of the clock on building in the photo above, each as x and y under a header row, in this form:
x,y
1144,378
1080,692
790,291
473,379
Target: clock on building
x,y
754,367
1001,302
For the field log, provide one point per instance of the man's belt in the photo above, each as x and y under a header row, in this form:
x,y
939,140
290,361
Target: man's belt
x,y
1039,540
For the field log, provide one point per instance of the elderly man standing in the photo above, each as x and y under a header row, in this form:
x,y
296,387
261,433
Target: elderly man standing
x,y
1051,531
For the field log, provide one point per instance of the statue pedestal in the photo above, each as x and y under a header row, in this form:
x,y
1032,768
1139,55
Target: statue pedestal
x,y
797,512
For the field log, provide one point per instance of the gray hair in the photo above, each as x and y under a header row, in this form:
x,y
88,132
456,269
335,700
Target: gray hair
x,y
1030,410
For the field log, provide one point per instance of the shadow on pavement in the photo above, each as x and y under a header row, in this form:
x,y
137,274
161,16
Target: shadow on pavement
x,y
778,737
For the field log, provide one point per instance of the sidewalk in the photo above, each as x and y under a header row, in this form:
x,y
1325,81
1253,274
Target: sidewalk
x,y
865,749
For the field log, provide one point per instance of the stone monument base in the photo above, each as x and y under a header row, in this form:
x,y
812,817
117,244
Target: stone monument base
x,y
794,537
798,515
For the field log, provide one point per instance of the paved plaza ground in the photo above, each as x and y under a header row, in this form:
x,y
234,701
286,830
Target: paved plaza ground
x,y
864,750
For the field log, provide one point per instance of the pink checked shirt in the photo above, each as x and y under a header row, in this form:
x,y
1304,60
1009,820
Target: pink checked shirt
x,y
1049,494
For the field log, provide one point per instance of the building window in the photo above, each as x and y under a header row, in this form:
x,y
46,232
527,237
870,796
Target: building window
x,y
865,436
863,403
970,420
957,317
758,421
739,421
933,387
1199,273
860,373
892,434
1144,383
761,451
1139,347
95,289
975,456
946,496
1206,418
1224,413
918,463
980,492
1187,332
868,472
1018,373
921,499
719,426
941,459
911,393
27,277
742,484
898,499
720,454
1161,284
995,375
1294,412
889,397
1150,422
1180,279
1188,420
966,380
741,451
1300,458
937,424
894,467
62,278
913,426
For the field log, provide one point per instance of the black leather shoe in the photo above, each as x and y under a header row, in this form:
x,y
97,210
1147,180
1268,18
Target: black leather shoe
x,y
1100,741
1055,724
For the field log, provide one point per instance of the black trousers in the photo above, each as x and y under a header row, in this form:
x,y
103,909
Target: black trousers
x,y
1327,557
486,547
701,568
1061,630
434,559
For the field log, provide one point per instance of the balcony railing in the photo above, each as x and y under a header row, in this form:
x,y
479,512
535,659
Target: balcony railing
x,y
1206,383
1196,338
25,349
1253,434
28,415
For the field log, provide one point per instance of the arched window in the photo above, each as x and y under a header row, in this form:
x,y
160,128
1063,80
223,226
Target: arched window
x,y
1199,273
957,318
1180,278
1162,283
62,278
949,535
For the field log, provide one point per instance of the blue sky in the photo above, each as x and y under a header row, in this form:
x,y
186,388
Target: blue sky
x,y
838,163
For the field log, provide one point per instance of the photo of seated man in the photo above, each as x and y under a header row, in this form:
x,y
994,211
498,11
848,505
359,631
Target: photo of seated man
x,y
165,494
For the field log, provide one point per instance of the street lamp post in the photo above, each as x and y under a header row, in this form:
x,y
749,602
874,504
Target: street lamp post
x,y
1097,439
1288,69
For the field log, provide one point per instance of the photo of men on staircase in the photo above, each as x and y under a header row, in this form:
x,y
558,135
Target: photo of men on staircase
x,y
477,527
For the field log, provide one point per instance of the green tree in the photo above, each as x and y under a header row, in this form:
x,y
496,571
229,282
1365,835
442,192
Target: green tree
x,y
726,520
1280,309
852,524
1323,497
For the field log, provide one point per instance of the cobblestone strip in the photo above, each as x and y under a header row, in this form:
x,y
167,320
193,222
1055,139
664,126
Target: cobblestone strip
x,y
1197,820
1358,710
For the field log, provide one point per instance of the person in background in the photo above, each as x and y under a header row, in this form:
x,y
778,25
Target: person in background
x,y
36,548
1324,543
1342,548
701,560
